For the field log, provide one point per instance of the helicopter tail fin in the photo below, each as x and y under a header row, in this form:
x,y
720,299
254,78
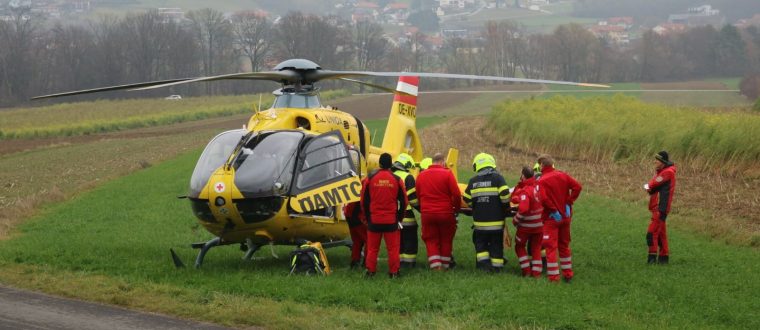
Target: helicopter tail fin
x,y
401,131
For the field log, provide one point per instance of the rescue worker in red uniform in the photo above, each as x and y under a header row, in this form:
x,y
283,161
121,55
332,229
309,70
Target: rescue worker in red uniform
x,y
487,194
557,192
404,162
357,226
439,197
383,201
529,223
660,189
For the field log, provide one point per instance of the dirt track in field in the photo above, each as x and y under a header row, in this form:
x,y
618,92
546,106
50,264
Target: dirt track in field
x,y
364,107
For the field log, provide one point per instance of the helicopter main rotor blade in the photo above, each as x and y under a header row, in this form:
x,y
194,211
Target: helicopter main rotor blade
x,y
328,74
110,88
276,76
380,87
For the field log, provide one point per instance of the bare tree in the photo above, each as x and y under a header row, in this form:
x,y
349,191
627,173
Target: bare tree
x,y
370,45
253,35
505,47
309,36
574,47
18,59
213,34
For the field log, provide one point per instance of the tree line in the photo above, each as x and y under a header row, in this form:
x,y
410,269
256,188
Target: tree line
x,y
36,58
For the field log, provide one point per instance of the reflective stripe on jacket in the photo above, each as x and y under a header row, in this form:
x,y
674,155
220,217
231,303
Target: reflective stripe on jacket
x,y
488,195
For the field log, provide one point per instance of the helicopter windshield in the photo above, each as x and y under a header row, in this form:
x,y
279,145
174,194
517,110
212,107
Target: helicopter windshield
x,y
297,101
264,166
216,153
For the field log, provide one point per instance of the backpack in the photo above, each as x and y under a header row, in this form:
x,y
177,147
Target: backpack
x,y
308,260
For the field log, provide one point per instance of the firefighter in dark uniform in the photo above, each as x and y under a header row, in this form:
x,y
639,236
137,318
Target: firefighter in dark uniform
x,y
487,194
401,167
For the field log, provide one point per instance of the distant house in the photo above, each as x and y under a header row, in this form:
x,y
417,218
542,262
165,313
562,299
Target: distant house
x,y
171,14
745,23
669,28
625,22
456,3
615,34
699,16
396,13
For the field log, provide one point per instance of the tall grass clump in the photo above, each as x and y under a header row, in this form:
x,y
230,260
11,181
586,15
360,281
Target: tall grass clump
x,y
623,127
82,118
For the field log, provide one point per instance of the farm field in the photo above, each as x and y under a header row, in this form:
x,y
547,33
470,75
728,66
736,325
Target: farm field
x,y
614,287
715,248
707,93
83,118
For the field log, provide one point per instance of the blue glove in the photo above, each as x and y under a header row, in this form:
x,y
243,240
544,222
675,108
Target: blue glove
x,y
556,216
567,211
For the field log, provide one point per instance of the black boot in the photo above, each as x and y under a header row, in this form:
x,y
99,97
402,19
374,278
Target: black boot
x,y
369,274
394,275
663,260
652,259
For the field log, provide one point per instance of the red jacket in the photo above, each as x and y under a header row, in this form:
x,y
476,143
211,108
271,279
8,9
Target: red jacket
x,y
529,209
661,189
383,201
557,189
438,191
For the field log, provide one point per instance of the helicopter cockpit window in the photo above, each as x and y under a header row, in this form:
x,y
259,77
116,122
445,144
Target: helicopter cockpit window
x,y
264,166
297,101
325,160
216,153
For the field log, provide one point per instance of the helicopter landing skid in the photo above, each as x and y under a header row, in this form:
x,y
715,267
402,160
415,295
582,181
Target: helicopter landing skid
x,y
252,248
204,249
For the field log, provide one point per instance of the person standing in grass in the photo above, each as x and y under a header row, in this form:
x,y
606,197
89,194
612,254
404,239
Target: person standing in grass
x,y
439,197
529,223
557,192
487,194
404,162
384,202
660,189
357,226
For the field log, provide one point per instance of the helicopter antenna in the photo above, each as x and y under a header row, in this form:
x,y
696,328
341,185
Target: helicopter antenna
x,y
259,107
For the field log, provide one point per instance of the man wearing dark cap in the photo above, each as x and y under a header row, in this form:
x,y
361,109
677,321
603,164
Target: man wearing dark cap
x,y
660,189
384,202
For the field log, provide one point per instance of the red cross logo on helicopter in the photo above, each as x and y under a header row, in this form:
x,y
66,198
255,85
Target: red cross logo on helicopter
x,y
219,187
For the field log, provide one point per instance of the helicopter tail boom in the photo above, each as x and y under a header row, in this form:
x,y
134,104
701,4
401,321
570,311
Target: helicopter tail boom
x,y
401,131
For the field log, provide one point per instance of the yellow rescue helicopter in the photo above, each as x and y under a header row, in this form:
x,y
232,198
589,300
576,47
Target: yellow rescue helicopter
x,y
284,178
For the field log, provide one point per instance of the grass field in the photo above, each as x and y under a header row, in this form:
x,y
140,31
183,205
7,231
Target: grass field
x,y
83,118
622,127
707,93
118,236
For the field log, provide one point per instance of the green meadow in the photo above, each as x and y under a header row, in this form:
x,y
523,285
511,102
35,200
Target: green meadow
x,y
117,237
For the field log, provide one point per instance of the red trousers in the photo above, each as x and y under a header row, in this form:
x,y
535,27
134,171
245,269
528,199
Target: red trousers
x,y
392,244
359,239
557,237
657,235
438,232
531,266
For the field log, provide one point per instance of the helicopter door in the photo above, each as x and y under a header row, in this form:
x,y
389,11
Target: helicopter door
x,y
325,176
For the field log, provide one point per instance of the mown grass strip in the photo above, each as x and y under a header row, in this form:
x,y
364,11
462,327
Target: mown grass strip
x,y
123,229
83,118
621,127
